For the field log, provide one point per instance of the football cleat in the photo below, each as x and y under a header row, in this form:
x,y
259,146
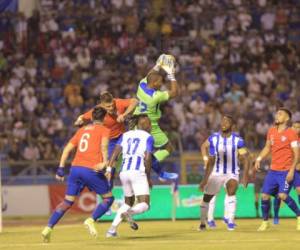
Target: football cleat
x,y
166,176
264,226
276,221
46,234
202,227
110,234
211,224
90,225
231,226
127,217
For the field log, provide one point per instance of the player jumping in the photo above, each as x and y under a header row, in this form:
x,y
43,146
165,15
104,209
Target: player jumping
x,y
150,97
136,147
225,150
282,143
91,142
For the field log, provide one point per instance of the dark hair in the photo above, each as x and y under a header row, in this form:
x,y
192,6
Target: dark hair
x,y
98,114
153,76
135,119
287,111
229,117
106,97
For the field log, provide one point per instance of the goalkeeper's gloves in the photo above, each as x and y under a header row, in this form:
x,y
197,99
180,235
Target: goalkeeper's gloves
x,y
60,172
168,65
158,62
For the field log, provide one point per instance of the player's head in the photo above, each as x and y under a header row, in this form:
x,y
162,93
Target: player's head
x,y
227,123
98,114
282,116
155,80
143,122
107,102
296,127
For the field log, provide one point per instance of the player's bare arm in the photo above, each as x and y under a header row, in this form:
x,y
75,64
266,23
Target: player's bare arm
x,y
132,105
104,151
66,152
148,163
263,154
290,175
112,161
207,173
204,152
246,160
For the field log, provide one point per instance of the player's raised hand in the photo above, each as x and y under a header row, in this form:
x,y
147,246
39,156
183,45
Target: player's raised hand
x,y
60,174
79,121
168,64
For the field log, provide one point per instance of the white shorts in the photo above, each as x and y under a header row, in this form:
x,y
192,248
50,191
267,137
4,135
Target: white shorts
x,y
215,182
134,183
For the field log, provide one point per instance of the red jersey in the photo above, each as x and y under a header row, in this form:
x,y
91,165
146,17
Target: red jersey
x,y
281,148
88,141
110,121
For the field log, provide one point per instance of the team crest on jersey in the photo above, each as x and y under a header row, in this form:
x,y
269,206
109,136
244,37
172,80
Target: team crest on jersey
x,y
283,138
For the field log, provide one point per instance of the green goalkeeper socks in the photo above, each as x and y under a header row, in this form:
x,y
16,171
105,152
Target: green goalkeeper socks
x,y
161,154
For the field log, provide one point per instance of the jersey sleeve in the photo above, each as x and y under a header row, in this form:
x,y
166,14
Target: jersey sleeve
x,y
161,96
241,143
293,137
123,103
150,144
88,115
211,147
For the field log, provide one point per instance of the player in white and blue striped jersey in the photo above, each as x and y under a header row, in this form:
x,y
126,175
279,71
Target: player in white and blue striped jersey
x,y
137,148
225,148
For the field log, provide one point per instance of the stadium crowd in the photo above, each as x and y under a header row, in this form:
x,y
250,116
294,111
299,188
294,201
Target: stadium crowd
x,y
235,56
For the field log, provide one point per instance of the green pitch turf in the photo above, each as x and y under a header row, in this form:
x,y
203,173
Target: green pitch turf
x,y
156,235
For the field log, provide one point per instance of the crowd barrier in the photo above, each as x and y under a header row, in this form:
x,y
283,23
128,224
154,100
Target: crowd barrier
x,y
40,200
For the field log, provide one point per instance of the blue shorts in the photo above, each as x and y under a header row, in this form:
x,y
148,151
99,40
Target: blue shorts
x,y
296,181
112,144
275,183
81,177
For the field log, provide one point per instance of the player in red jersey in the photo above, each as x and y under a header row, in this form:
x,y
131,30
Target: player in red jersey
x,y
282,143
91,144
117,111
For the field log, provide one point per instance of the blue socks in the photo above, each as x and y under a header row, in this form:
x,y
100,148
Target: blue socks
x,y
265,208
276,204
102,208
156,166
59,212
292,205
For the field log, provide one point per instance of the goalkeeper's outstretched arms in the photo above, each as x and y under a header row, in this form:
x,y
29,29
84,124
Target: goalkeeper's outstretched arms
x,y
167,63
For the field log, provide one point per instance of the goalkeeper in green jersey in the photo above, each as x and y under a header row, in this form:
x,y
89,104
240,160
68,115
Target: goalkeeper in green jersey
x,y
150,97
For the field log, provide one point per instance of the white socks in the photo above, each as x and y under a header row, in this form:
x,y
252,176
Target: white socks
x,y
230,207
139,208
211,209
204,210
117,220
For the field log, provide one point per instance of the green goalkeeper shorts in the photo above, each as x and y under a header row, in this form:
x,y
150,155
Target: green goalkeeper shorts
x,y
160,138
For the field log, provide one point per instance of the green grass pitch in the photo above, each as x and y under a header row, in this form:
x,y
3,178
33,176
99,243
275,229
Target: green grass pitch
x,y
155,235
